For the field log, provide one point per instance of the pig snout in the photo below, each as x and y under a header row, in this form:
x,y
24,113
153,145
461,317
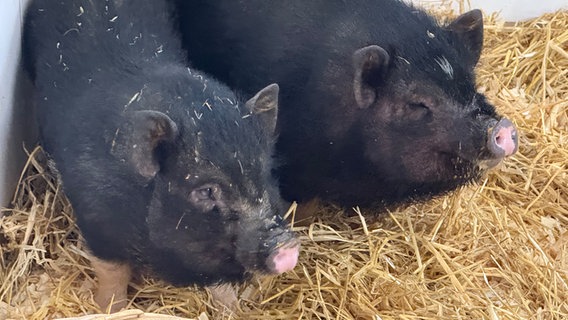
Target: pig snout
x,y
284,258
503,140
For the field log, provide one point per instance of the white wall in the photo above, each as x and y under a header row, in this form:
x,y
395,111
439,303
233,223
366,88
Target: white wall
x,y
509,10
513,10
13,123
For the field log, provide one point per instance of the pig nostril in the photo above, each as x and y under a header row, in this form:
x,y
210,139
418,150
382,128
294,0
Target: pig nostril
x,y
498,140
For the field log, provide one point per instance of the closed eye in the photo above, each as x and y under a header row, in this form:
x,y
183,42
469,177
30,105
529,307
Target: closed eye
x,y
418,105
418,111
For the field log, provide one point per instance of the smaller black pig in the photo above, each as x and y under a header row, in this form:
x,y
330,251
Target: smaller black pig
x,y
165,167
378,104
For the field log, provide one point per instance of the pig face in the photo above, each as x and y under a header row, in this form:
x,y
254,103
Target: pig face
x,y
215,213
424,126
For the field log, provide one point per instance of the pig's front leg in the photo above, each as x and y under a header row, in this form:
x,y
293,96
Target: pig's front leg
x,y
113,281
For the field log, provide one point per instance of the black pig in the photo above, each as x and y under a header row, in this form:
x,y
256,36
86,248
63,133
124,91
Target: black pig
x,y
378,103
165,167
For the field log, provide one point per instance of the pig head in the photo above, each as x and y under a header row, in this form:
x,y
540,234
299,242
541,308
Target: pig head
x,y
423,126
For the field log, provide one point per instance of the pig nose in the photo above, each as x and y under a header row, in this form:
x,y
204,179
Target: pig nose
x,y
285,258
503,140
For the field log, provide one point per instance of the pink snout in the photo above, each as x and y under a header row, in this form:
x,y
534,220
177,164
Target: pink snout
x,y
285,258
503,140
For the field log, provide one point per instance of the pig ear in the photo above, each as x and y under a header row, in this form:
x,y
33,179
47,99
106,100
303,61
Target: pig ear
x,y
264,104
370,64
150,128
468,28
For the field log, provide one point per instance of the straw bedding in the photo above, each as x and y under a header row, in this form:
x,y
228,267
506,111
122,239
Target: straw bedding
x,y
492,250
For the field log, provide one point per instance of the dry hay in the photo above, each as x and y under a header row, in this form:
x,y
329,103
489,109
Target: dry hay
x,y
494,250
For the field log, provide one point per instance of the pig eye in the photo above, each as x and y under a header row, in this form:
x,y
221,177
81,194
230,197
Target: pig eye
x,y
204,194
418,112
419,106
207,197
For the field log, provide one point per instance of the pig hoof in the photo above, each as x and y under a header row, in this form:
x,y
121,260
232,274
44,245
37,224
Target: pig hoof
x,y
109,304
224,296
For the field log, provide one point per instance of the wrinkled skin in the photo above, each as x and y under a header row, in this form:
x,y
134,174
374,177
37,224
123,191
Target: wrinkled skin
x,y
165,167
378,102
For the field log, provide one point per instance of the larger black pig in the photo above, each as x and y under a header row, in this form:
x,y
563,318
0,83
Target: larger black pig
x,y
379,102
165,167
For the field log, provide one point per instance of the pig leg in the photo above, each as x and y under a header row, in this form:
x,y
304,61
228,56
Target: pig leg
x,y
224,296
113,281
